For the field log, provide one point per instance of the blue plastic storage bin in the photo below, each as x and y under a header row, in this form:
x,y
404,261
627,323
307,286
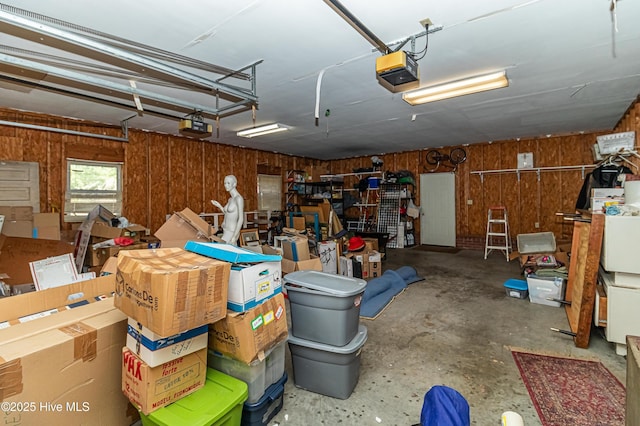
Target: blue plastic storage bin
x,y
517,288
261,412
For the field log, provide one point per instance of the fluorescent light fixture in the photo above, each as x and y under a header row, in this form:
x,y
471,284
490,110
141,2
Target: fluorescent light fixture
x,y
262,130
457,88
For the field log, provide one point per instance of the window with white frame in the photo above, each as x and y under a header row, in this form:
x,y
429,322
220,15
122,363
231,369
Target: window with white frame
x,y
92,183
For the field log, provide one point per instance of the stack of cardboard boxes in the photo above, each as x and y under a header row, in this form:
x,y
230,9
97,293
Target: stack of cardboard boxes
x,y
366,263
169,296
296,255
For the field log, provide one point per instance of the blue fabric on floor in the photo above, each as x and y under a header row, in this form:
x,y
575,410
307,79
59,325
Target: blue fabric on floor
x,y
381,290
444,406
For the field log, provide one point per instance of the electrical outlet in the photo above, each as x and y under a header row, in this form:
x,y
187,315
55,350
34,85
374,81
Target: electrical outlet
x,y
536,225
469,202
425,22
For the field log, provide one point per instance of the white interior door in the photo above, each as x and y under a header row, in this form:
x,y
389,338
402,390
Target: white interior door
x,y
20,184
438,209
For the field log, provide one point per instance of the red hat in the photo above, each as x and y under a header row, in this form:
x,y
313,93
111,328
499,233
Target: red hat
x,y
356,243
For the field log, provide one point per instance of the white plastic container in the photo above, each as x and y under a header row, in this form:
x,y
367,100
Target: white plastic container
x,y
539,242
541,289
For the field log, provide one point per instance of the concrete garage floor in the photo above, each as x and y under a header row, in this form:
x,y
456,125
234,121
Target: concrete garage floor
x,y
454,328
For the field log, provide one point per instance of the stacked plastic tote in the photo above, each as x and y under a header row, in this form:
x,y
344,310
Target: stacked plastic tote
x,y
249,344
171,296
326,335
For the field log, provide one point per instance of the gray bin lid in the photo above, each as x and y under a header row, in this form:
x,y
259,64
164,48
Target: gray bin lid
x,y
336,285
356,343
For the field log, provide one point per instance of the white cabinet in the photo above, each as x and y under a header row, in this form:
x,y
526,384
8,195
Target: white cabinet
x,y
623,312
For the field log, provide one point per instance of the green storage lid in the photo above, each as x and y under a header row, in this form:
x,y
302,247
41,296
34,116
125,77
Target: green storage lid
x,y
220,395
331,284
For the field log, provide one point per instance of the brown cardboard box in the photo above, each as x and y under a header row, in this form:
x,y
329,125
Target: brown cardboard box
x,y
313,264
246,336
299,223
16,253
46,226
17,212
104,231
171,290
375,264
23,307
97,257
296,248
18,228
67,364
152,388
182,227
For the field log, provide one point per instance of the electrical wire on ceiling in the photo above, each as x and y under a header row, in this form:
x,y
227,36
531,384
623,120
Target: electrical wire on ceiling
x,y
423,52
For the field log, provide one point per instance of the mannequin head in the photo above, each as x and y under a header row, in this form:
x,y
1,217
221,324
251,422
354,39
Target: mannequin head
x,y
230,182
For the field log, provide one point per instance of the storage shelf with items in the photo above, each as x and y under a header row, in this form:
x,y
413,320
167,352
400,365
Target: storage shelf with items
x,y
294,180
359,198
406,219
396,211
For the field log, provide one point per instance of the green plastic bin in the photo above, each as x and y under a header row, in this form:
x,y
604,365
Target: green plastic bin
x,y
218,403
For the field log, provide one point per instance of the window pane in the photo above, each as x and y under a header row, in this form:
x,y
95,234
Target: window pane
x,y
89,177
269,192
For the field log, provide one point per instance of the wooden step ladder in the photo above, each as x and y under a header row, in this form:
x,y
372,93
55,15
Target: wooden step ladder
x,y
497,231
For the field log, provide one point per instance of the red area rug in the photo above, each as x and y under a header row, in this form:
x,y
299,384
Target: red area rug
x,y
568,391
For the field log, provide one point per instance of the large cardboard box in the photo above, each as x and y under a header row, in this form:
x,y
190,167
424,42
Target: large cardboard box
x,y
155,350
295,248
18,228
26,307
312,264
16,253
152,388
248,336
46,226
171,290
17,212
67,365
98,256
185,226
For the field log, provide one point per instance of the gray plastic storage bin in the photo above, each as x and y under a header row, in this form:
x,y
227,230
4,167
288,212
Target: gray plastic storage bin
x,y
328,370
325,308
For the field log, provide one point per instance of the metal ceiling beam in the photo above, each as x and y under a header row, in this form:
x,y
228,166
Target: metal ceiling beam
x,y
121,88
75,39
358,26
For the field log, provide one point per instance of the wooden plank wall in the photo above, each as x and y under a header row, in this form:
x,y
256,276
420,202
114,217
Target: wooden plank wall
x,y
165,173
162,173
527,198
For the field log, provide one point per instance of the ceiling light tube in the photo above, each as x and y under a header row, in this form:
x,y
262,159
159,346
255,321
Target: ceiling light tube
x,y
457,88
262,130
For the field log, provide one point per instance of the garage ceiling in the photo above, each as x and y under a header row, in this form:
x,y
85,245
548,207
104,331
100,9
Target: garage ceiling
x,y
573,65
